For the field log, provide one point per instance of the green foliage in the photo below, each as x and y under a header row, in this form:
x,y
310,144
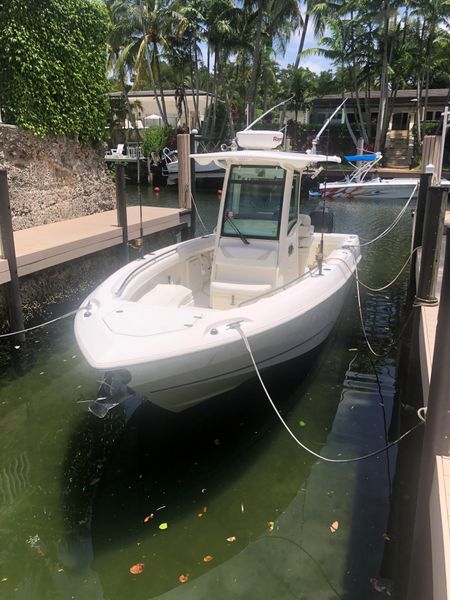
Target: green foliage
x,y
155,139
428,128
52,66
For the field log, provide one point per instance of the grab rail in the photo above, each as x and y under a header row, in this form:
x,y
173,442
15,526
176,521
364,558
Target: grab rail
x,y
141,267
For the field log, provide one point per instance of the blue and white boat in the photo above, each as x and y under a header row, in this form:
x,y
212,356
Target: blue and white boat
x,y
364,184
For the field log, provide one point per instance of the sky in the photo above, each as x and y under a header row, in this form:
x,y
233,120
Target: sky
x,y
315,62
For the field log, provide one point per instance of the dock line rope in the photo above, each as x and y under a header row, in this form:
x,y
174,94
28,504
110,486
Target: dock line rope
x,y
205,229
69,314
367,287
361,317
237,327
393,224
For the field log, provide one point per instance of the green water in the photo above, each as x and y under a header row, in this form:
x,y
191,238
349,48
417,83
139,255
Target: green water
x,y
75,491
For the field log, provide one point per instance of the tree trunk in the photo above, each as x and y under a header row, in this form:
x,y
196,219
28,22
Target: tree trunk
x,y
355,85
256,63
384,79
297,62
158,71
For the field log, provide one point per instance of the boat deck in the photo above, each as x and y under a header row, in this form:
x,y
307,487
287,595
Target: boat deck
x,y
48,245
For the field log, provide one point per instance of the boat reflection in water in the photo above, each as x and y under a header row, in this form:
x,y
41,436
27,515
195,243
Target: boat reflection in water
x,y
200,472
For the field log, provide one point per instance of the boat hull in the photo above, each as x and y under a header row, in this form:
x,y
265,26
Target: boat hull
x,y
189,380
179,357
400,189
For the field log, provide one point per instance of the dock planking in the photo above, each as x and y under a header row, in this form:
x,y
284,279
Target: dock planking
x,y
44,246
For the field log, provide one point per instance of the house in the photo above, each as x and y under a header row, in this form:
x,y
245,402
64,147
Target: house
x,y
399,144
147,114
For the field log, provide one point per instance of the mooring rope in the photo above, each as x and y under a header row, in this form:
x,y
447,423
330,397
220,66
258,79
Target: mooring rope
x,y
394,222
70,314
205,229
367,287
238,328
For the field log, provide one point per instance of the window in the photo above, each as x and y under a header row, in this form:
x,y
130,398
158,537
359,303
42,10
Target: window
x,y
253,202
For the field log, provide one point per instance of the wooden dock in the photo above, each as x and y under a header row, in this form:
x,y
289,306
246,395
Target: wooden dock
x,y
439,503
45,246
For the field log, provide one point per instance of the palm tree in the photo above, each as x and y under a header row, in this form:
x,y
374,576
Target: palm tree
x,y
146,22
434,14
274,20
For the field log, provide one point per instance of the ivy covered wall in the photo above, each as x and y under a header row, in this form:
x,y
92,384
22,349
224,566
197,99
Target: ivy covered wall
x,y
53,66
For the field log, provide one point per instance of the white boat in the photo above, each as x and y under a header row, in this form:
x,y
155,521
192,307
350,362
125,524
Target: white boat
x,y
168,326
361,185
202,171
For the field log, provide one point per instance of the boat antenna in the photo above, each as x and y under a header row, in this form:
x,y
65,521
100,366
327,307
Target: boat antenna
x,y
267,112
317,138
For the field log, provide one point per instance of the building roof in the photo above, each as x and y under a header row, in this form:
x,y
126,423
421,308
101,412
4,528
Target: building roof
x,y
150,93
437,94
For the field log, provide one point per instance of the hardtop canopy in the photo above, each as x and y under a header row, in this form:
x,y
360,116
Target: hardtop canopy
x,y
286,160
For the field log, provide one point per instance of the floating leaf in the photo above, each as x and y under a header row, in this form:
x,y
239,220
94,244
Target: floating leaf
x,y
208,558
137,569
302,423
271,525
334,526
60,570
231,539
163,526
242,507
183,578
148,517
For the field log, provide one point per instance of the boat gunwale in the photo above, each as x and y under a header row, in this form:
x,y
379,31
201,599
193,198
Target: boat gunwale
x,y
148,263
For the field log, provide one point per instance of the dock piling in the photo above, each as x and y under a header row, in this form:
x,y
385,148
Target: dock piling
x,y
425,182
184,171
433,224
7,249
193,188
121,206
436,441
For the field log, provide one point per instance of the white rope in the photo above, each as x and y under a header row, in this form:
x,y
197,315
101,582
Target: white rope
x,y
361,318
367,287
394,222
198,214
70,314
237,326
